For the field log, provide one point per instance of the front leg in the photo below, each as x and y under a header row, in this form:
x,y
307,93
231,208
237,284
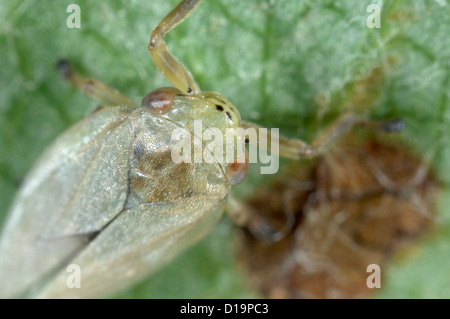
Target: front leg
x,y
167,64
95,89
243,215
298,149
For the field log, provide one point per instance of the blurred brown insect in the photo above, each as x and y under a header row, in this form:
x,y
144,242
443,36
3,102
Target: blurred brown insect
x,y
353,207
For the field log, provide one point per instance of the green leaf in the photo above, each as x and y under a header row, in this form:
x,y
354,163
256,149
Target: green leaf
x,y
286,64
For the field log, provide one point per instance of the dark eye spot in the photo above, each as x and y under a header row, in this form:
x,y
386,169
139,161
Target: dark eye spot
x,y
219,107
228,115
189,90
247,141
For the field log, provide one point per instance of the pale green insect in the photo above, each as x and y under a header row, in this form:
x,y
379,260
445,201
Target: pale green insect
x,y
107,196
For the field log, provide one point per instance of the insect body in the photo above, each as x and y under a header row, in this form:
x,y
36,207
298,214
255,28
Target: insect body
x,y
108,197
125,195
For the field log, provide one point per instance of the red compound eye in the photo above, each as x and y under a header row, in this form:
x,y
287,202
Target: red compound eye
x,y
237,171
160,100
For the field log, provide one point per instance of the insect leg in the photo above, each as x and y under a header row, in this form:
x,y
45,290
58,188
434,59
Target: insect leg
x,y
92,87
167,64
243,215
345,123
237,211
297,149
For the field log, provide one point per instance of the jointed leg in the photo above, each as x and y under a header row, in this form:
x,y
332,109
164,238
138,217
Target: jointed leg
x,y
93,88
297,149
167,64
261,228
243,215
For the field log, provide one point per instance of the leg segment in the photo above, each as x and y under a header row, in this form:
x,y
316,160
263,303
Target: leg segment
x,y
297,149
261,228
93,88
167,64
